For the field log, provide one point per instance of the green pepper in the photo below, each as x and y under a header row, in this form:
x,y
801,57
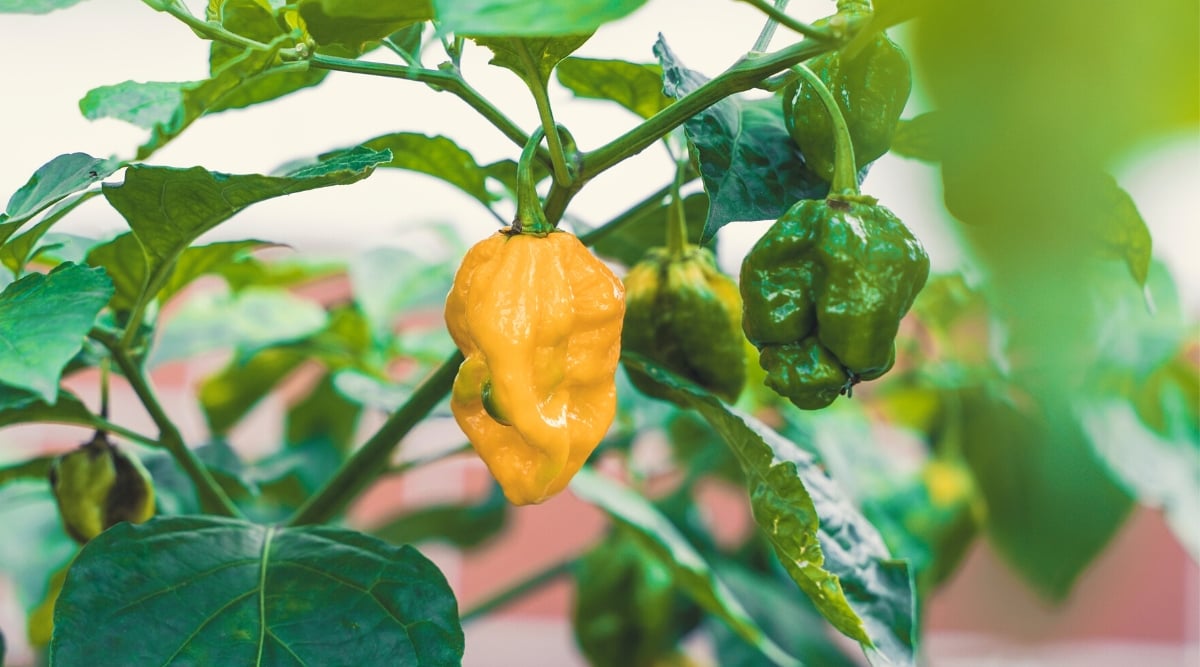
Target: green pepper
x,y
871,87
823,293
684,314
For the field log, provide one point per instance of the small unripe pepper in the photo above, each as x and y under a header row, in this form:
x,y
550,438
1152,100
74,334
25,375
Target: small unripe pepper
x,y
98,486
825,288
871,88
686,315
538,318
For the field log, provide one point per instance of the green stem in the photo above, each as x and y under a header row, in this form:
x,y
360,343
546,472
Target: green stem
x,y
531,219
638,210
213,499
518,590
361,470
845,178
777,16
214,31
558,157
102,424
677,231
743,75
446,80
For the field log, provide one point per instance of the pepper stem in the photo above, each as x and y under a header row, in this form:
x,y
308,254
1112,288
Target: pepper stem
x,y
531,219
845,176
677,230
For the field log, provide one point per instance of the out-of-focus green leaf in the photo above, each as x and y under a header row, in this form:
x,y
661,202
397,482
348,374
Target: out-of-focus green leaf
x,y
371,392
256,595
36,468
532,58
520,18
230,394
648,228
323,414
52,182
35,544
353,24
688,568
464,526
389,282
828,548
43,321
635,86
18,406
32,7
751,168
1051,505
919,138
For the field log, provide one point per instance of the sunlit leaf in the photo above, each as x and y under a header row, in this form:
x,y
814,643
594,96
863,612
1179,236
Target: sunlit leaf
x,y
59,178
637,87
522,18
532,58
256,595
436,156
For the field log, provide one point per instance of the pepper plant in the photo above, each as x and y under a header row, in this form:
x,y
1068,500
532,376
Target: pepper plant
x,y
1051,387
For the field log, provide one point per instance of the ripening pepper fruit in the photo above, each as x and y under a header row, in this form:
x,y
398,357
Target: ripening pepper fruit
x,y
538,318
871,88
684,314
98,486
823,293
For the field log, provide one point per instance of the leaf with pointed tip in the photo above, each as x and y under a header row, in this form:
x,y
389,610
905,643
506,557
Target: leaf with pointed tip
x,y
169,208
57,179
524,18
18,406
257,595
635,86
21,250
531,58
691,573
43,321
824,543
436,156
750,166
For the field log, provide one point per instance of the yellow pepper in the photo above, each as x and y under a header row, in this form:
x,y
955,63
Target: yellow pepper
x,y
538,319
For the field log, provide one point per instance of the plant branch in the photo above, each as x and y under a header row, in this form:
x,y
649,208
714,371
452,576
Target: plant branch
x,y
777,15
360,471
747,73
213,499
518,590
213,31
558,157
102,424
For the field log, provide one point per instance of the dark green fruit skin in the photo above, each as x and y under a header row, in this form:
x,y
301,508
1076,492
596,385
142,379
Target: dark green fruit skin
x,y
823,293
871,89
685,315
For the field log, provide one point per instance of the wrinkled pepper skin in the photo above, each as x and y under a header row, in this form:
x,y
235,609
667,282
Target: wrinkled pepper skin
x,y
98,486
871,89
538,319
823,293
686,315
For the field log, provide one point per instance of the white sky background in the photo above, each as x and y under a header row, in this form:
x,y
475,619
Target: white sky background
x,y
47,63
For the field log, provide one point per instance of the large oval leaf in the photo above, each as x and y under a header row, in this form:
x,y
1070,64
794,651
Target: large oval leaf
x,y
211,591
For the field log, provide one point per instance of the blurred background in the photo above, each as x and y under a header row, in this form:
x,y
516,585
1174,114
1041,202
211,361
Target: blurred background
x,y
1138,603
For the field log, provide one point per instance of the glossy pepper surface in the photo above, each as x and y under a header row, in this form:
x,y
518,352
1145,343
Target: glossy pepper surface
x,y
538,319
824,291
686,315
871,88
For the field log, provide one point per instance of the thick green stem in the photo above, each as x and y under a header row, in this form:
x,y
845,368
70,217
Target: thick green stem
x,y
777,17
558,157
677,231
213,499
518,591
365,465
845,176
744,75
213,31
531,219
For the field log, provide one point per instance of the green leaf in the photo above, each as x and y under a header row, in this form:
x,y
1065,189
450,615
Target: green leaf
x,y
523,18
21,250
248,321
828,548
34,469
534,58
355,23
18,406
389,282
463,526
1051,506
648,228
1162,472
57,179
169,208
43,321
257,595
229,395
35,544
691,573
750,166
324,414
168,108
33,7
436,156
635,86
920,138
